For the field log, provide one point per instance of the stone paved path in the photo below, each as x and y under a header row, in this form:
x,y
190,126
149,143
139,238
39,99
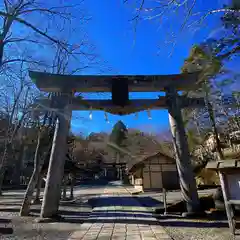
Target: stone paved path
x,y
118,215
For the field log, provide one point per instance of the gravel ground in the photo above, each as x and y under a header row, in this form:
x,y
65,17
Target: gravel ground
x,y
182,229
189,230
26,228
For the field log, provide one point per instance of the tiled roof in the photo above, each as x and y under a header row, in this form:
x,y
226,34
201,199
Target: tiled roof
x,y
224,164
142,158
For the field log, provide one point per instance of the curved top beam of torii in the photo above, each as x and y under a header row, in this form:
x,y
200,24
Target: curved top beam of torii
x,y
102,83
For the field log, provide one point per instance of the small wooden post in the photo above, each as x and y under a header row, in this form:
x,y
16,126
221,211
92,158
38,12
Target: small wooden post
x,y
118,166
165,201
164,193
228,206
229,175
38,189
132,180
120,172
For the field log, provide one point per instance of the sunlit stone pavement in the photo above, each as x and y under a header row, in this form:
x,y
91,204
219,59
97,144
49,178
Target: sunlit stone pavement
x,y
118,215
107,212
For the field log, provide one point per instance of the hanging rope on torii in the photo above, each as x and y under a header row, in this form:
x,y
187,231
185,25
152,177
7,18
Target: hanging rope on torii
x,y
119,104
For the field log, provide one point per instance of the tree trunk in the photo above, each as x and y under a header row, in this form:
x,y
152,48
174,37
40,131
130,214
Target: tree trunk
x,y
64,190
2,174
25,208
18,167
184,166
38,189
1,53
117,162
2,165
10,136
212,120
73,178
215,131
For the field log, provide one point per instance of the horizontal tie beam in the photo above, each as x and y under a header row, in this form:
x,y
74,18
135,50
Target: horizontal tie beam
x,y
134,106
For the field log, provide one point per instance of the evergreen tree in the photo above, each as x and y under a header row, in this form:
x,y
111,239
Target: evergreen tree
x,y
118,134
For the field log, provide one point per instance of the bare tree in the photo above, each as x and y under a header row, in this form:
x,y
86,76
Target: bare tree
x,y
63,62
179,15
44,142
36,18
17,110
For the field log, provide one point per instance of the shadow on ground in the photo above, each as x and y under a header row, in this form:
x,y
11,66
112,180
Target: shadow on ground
x,y
191,224
68,216
5,230
2,204
72,212
123,201
12,196
124,210
131,217
116,209
128,217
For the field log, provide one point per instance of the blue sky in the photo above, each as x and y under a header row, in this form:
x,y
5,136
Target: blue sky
x,y
145,52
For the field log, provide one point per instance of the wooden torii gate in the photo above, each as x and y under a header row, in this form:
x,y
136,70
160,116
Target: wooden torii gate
x,y
120,86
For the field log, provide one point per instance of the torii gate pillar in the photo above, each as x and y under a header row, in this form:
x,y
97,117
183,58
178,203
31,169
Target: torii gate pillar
x,y
186,176
52,192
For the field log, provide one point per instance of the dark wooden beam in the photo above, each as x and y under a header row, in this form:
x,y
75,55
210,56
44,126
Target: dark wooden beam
x,y
134,106
103,83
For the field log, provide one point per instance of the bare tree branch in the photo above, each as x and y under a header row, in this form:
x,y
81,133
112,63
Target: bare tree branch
x,y
34,28
188,18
